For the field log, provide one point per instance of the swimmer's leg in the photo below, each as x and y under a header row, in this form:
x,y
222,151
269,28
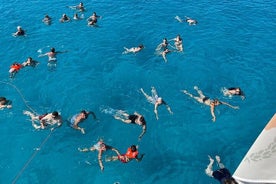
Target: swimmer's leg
x,y
153,92
199,92
32,115
126,50
149,98
192,96
209,169
219,162
112,158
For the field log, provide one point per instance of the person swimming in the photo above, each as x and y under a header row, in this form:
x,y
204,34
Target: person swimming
x,y
207,101
4,103
19,32
189,20
133,49
80,117
131,153
101,147
14,68
135,118
233,91
156,101
64,18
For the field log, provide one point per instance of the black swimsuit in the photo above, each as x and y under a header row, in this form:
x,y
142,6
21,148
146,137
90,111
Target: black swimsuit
x,y
132,117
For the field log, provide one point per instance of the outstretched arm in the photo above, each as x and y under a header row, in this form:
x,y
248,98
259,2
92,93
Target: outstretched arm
x,y
234,107
139,159
143,132
93,114
100,160
212,109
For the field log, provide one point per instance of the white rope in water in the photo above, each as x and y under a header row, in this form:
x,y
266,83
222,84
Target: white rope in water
x,y
42,143
25,101
31,158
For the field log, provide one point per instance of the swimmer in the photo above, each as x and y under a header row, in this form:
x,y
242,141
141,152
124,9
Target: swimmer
x,y
156,101
132,153
100,147
178,43
207,101
53,119
52,54
233,91
162,45
19,32
64,18
79,7
80,117
135,118
93,19
47,20
222,174
76,17
190,21
14,68
133,49
4,103
30,62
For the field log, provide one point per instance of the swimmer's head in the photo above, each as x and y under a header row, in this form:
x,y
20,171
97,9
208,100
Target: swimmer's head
x,y
53,49
19,27
142,119
159,100
85,113
133,148
55,114
141,46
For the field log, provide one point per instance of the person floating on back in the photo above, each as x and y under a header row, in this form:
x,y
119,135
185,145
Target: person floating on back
x,y
156,101
190,21
101,147
133,49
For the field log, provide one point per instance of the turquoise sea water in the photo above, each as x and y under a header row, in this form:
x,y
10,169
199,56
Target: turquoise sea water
x,y
232,45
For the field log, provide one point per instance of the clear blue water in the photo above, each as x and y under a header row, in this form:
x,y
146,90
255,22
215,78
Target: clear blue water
x,y
233,45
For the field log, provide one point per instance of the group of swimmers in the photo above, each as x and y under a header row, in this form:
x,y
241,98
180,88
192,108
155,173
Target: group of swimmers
x,y
54,119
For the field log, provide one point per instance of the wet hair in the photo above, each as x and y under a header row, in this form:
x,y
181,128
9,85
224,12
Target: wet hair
x,y
141,46
85,113
229,181
55,113
2,98
53,50
142,119
133,148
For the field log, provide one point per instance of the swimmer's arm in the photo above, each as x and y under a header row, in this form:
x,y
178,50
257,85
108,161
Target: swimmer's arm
x,y
100,160
139,159
143,132
227,104
155,110
212,108
93,114
168,107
